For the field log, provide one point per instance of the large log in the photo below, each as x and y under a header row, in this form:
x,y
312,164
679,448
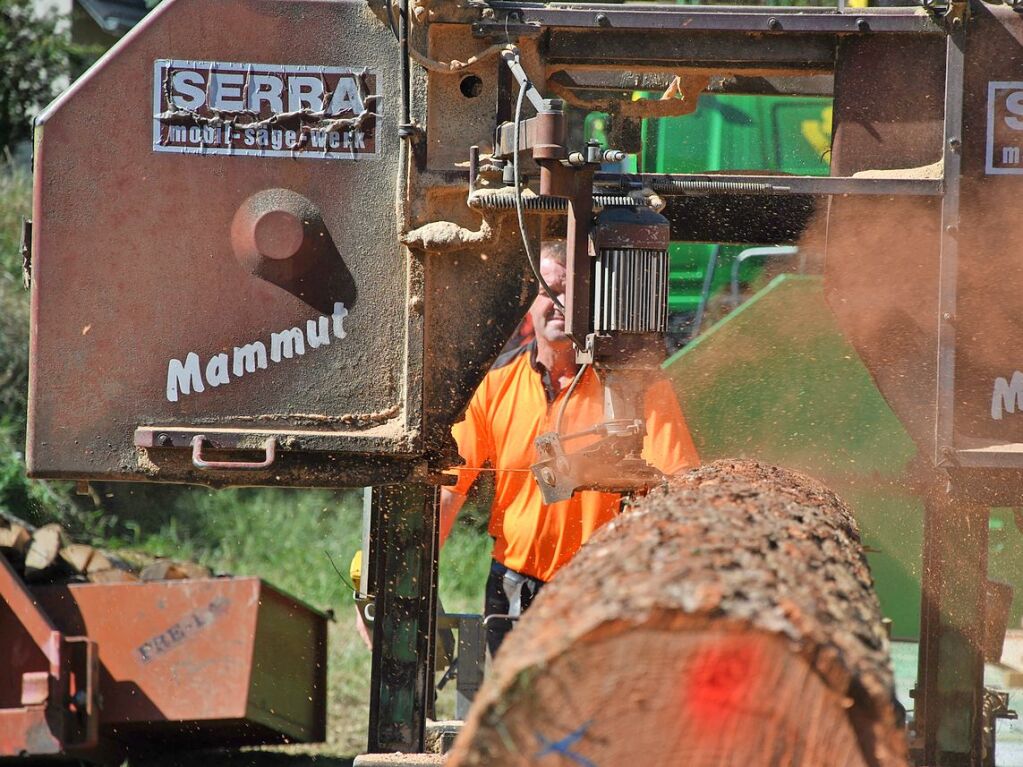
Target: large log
x,y
729,619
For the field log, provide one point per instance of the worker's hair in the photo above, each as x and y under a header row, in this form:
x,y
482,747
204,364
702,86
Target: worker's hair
x,y
553,249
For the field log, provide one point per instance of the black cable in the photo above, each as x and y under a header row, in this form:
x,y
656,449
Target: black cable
x,y
568,395
518,200
344,580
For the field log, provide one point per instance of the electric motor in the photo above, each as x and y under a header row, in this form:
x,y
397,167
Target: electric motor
x,y
630,278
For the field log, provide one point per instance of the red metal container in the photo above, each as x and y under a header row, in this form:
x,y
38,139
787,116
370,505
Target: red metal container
x,y
225,660
219,661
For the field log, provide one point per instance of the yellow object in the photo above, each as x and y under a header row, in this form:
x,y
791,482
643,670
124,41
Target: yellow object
x,y
818,132
355,570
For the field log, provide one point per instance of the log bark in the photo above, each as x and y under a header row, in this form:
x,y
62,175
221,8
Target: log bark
x,y
729,619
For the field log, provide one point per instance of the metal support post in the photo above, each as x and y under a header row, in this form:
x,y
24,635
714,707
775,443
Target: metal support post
x,y
404,548
950,678
472,643
948,256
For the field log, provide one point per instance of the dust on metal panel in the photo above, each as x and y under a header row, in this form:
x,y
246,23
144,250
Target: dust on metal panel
x,y
265,110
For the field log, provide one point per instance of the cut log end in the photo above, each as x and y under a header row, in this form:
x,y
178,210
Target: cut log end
x,y
727,620
43,550
714,696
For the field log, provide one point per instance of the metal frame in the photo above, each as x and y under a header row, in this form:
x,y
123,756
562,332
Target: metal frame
x,y
948,721
950,689
948,258
467,666
404,547
737,183
514,19
59,711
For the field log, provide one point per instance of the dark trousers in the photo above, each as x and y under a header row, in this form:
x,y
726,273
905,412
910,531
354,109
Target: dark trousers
x,y
497,604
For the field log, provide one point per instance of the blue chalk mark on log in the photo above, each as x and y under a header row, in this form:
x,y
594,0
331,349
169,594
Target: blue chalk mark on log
x,y
564,746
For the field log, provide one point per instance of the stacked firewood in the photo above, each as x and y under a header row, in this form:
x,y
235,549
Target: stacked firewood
x,y
47,555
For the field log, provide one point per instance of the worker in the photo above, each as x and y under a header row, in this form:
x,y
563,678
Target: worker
x,y
518,400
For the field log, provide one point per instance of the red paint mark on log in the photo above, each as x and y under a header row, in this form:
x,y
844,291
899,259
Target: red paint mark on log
x,y
719,682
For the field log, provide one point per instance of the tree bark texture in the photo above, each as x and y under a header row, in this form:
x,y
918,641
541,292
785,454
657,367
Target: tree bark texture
x,y
727,619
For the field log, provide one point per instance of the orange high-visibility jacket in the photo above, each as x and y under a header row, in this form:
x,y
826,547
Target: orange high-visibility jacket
x,y
512,406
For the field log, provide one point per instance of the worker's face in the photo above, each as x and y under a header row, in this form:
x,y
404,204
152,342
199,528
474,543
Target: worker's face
x,y
548,320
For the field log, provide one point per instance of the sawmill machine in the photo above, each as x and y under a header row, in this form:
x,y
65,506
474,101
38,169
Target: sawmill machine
x,y
279,242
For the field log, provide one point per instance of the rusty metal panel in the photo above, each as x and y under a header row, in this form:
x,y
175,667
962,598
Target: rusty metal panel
x,y
884,253
989,315
215,249
49,701
226,660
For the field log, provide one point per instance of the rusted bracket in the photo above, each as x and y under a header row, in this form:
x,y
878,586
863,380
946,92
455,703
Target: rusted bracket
x,y
957,14
953,14
58,711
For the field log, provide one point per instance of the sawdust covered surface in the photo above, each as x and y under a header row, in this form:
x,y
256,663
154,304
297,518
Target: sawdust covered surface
x,y
732,541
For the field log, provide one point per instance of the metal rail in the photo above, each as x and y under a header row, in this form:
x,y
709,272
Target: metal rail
x,y
678,183
511,19
948,258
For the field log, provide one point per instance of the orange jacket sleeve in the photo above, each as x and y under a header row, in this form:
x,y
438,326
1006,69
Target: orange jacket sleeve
x,y
472,435
668,445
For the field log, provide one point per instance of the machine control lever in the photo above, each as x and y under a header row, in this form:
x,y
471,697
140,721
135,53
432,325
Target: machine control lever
x,y
510,56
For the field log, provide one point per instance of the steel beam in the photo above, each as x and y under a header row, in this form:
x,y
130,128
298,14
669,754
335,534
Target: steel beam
x,y
950,680
733,183
948,258
673,49
404,547
510,16
619,82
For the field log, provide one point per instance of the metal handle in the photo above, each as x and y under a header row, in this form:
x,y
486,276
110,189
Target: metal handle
x,y
270,446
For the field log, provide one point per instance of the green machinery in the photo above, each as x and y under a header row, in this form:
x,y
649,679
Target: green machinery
x,y
732,132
